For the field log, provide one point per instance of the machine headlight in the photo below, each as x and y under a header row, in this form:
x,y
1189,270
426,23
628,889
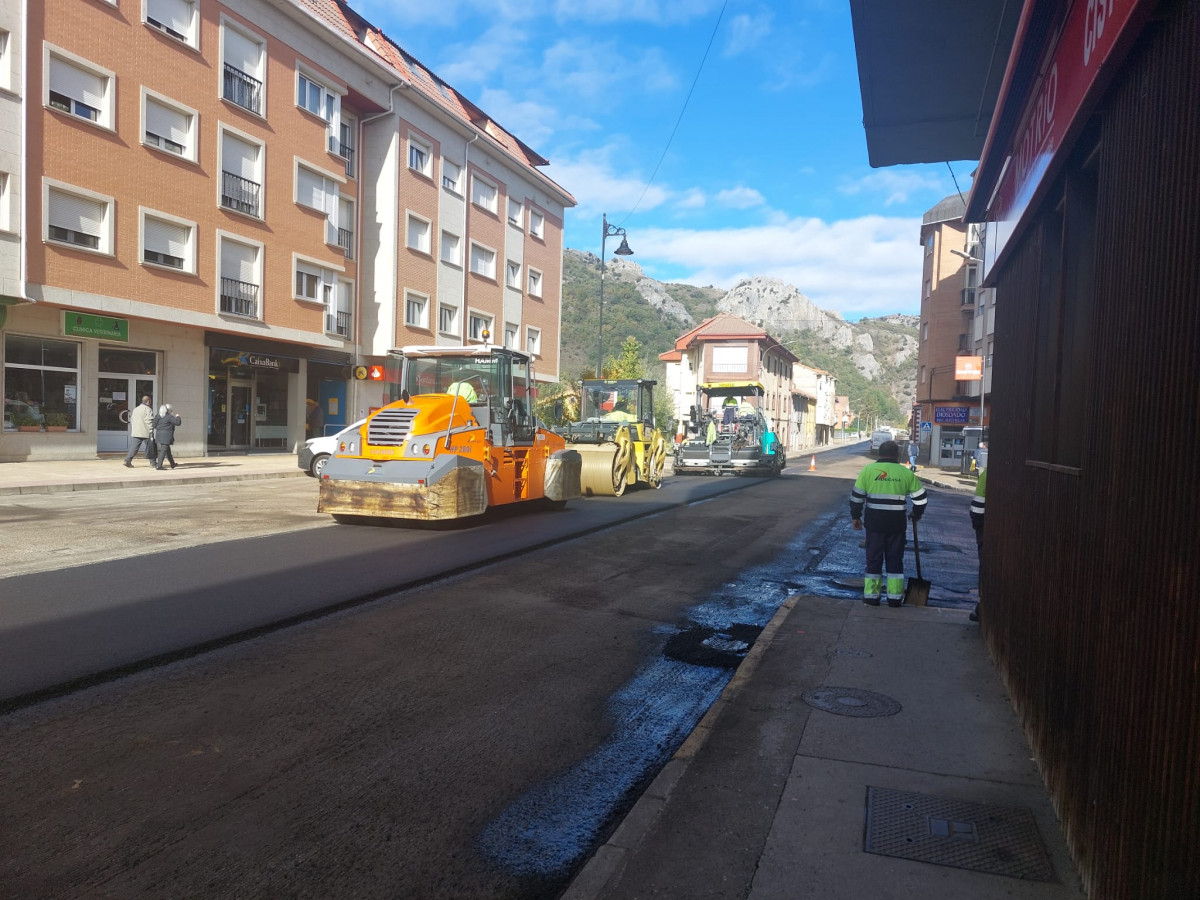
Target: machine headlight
x,y
417,448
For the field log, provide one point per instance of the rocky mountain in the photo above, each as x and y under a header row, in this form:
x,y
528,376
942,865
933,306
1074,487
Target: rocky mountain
x,y
875,360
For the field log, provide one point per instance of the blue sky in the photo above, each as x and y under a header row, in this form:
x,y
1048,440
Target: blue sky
x,y
767,172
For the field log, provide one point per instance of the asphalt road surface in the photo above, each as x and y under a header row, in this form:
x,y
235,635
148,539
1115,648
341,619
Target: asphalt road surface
x,y
472,736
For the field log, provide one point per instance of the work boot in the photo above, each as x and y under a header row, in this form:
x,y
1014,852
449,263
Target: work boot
x,y
871,601
128,464
893,602
974,616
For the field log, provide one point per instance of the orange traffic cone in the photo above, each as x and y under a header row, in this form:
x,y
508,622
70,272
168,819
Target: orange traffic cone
x,y
812,463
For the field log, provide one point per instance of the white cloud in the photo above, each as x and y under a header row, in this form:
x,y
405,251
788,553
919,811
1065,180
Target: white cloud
x,y
745,32
596,186
658,12
692,199
859,267
895,185
740,198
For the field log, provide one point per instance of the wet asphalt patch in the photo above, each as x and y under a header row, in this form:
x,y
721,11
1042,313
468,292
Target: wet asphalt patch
x,y
703,646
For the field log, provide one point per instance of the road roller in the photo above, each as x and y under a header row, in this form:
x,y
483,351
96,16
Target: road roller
x,y
616,436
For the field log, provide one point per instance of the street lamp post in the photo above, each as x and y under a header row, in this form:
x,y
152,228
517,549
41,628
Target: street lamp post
x,y
622,250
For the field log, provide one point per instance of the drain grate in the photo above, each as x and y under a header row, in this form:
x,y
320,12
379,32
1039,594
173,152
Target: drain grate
x,y
851,702
1000,840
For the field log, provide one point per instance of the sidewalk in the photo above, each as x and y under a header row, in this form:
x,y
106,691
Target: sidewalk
x,y
104,474
857,752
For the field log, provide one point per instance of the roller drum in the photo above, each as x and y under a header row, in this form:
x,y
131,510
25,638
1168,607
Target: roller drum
x,y
601,476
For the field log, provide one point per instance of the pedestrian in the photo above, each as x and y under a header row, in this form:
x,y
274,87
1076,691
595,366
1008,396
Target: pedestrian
x,y
977,510
884,489
913,449
141,420
314,419
165,424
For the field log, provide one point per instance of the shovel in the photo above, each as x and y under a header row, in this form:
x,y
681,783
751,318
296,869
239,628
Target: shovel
x,y
917,591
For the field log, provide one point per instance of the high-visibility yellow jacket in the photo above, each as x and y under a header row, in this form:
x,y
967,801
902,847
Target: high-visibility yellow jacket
x,y
884,489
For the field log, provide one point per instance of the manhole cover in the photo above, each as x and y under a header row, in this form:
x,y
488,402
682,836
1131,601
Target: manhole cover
x,y
1002,840
850,651
702,646
851,702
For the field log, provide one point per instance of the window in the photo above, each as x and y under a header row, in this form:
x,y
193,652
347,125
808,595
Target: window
x,y
419,158
337,315
345,223
535,283
241,174
451,249
41,379
483,194
243,54
80,218
513,270
317,190
451,174
415,309
925,331
241,277
483,261
176,18
78,88
6,62
514,212
730,359
6,203
480,326
168,126
922,374
168,241
315,97
537,224
511,333
343,146
418,234
447,319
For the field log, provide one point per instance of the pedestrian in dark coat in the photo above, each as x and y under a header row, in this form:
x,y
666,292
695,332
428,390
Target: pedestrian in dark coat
x,y
165,424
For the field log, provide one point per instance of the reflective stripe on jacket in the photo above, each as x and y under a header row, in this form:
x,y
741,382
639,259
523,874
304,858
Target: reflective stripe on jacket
x,y
977,502
884,488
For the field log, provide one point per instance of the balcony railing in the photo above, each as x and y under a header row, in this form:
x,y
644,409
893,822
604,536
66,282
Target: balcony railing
x,y
968,296
345,151
239,298
243,89
338,323
240,194
346,242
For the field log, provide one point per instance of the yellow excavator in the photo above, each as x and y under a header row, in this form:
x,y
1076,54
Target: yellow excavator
x,y
616,437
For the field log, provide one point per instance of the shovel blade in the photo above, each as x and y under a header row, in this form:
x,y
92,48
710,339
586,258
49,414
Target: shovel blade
x,y
917,592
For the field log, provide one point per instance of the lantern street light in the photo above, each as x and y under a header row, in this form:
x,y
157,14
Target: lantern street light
x,y
623,250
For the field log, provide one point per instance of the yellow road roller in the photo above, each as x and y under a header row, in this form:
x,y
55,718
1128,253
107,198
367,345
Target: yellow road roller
x,y
617,437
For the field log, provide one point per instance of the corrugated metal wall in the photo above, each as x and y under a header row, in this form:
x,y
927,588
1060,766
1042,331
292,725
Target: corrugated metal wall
x,y
1091,592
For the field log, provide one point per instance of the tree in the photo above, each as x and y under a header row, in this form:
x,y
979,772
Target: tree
x,y
629,364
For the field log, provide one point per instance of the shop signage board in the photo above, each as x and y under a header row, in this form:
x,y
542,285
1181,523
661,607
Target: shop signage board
x,y
951,415
85,325
250,360
968,368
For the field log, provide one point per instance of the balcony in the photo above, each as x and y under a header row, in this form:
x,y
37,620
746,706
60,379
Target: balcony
x,y
338,323
968,296
240,194
243,89
239,298
343,149
345,240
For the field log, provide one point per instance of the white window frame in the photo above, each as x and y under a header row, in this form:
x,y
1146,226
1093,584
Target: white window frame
x,y
189,255
449,309
6,61
258,247
512,334
512,274
189,36
343,295
6,203
451,249
325,278
537,223
104,245
485,322
191,125
421,302
418,145
260,164
420,239
483,261
452,183
484,194
533,340
515,210
535,283
106,111
330,195
260,68
329,100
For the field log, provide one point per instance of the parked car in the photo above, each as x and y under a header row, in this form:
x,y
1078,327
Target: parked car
x,y
316,451
879,435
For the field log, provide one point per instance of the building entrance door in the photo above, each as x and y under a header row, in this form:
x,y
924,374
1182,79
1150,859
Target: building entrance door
x,y
241,414
116,396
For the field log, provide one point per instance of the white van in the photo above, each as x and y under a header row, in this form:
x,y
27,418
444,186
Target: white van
x,y
879,436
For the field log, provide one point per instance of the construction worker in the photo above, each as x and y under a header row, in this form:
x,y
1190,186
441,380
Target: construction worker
x,y
884,489
977,510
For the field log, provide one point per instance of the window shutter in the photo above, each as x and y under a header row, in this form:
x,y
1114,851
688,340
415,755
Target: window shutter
x,y
241,52
237,262
175,14
76,213
167,237
76,83
239,158
166,122
310,189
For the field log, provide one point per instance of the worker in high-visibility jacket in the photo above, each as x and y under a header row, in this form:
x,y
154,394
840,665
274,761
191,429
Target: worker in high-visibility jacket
x,y
978,508
884,489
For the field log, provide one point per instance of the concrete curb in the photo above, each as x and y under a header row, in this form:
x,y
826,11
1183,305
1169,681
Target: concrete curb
x,y
608,861
68,487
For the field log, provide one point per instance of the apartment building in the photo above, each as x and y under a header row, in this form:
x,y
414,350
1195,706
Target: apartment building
x,y
238,207
949,292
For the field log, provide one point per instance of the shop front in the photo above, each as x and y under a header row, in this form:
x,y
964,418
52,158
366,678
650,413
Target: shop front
x,y
248,399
